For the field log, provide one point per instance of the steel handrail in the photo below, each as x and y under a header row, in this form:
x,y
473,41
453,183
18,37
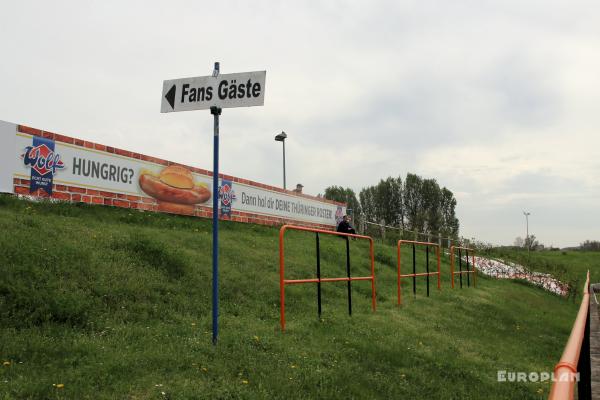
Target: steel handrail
x,y
565,372
460,273
400,275
283,281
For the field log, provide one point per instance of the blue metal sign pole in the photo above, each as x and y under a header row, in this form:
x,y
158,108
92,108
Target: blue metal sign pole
x,y
215,111
253,95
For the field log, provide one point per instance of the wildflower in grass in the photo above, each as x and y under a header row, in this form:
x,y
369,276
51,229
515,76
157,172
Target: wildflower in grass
x,y
245,382
256,338
292,366
6,363
59,385
204,369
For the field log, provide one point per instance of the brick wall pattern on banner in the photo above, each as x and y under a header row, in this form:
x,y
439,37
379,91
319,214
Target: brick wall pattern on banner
x,y
91,196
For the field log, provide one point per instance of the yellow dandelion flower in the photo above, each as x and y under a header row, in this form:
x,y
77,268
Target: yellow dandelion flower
x,y
245,382
292,366
59,385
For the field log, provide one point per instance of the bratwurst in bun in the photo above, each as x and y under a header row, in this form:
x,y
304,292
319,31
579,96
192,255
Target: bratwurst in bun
x,y
174,184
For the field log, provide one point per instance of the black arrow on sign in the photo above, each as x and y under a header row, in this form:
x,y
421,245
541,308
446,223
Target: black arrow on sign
x,y
170,96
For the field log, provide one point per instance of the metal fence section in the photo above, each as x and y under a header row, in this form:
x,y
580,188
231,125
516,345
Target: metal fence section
x,y
468,271
318,280
574,365
391,234
414,274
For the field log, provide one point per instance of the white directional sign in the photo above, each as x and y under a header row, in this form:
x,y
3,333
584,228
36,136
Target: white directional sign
x,y
244,89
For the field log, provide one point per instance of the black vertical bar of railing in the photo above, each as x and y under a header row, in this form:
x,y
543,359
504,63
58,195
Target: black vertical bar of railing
x,y
584,385
414,271
427,263
468,279
460,267
318,275
348,272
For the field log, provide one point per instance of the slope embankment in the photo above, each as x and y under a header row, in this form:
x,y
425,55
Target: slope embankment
x,y
104,303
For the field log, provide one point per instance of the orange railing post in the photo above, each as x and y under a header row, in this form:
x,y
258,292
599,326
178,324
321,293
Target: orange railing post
x,y
283,281
566,371
439,261
452,265
400,276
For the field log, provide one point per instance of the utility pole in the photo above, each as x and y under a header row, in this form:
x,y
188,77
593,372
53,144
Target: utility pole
x,y
281,138
527,214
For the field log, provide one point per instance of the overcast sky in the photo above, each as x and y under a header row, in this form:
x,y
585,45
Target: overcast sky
x,y
497,100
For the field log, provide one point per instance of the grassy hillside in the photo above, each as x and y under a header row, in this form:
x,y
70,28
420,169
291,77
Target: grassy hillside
x,y
114,303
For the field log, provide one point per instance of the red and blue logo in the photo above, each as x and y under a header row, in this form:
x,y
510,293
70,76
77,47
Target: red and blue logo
x,y
339,215
44,162
227,196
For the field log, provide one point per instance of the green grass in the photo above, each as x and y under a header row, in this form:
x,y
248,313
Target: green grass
x,y
116,304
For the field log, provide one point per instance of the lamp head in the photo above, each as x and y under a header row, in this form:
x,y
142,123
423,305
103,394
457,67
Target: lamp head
x,y
281,137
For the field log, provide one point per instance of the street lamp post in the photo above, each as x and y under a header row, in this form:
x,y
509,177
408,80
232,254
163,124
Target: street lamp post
x,y
281,138
527,214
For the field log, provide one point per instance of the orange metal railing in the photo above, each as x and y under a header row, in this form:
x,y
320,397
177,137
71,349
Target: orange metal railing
x,y
566,372
414,275
318,280
468,271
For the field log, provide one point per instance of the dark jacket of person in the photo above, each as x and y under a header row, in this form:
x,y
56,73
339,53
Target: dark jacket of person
x,y
345,227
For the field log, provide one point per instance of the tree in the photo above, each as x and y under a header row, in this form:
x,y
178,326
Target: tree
x,y
412,201
431,206
367,203
519,242
531,243
415,204
389,200
590,245
343,195
450,223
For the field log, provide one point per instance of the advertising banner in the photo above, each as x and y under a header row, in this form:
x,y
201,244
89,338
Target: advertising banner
x,y
7,154
175,188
